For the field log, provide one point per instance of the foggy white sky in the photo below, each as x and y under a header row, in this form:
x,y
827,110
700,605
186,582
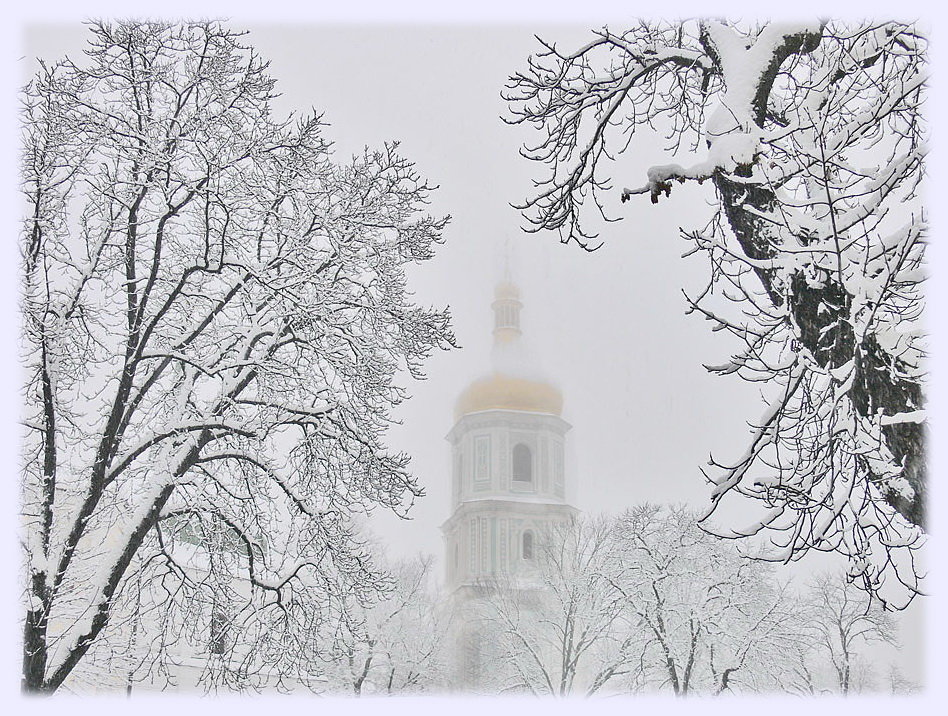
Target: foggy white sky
x,y
610,326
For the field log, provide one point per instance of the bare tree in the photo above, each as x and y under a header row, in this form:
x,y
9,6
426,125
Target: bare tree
x,y
396,645
812,139
563,632
647,600
712,620
214,314
843,621
898,684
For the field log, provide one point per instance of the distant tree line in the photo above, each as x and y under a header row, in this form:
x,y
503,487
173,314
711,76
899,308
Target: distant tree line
x,y
648,601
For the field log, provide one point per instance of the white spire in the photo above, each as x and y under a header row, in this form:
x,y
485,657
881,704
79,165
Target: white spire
x,y
511,354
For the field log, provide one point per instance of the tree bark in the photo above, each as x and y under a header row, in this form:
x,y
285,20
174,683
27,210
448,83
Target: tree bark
x,y
34,639
821,313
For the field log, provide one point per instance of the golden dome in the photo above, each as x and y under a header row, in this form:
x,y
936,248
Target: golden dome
x,y
509,387
505,392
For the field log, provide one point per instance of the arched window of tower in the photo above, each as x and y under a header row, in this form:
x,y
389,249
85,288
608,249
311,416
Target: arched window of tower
x,y
527,546
522,463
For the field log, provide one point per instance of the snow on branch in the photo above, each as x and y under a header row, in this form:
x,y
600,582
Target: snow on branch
x,y
812,142
215,309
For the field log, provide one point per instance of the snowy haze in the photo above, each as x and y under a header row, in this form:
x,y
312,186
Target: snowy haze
x,y
610,326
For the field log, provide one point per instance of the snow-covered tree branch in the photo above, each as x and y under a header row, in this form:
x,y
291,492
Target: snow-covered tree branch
x,y
567,633
841,620
398,644
812,138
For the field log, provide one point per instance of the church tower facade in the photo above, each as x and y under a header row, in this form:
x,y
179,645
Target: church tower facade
x,y
509,482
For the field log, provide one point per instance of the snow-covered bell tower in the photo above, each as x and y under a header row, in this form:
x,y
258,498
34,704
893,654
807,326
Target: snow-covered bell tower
x,y
508,476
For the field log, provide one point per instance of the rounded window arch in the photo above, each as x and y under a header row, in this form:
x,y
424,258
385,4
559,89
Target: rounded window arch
x,y
526,545
522,463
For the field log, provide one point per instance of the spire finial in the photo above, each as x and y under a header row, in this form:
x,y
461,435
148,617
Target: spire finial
x,y
507,277
506,303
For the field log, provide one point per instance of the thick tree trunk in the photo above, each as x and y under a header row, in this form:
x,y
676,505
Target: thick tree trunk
x,y
34,643
821,314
